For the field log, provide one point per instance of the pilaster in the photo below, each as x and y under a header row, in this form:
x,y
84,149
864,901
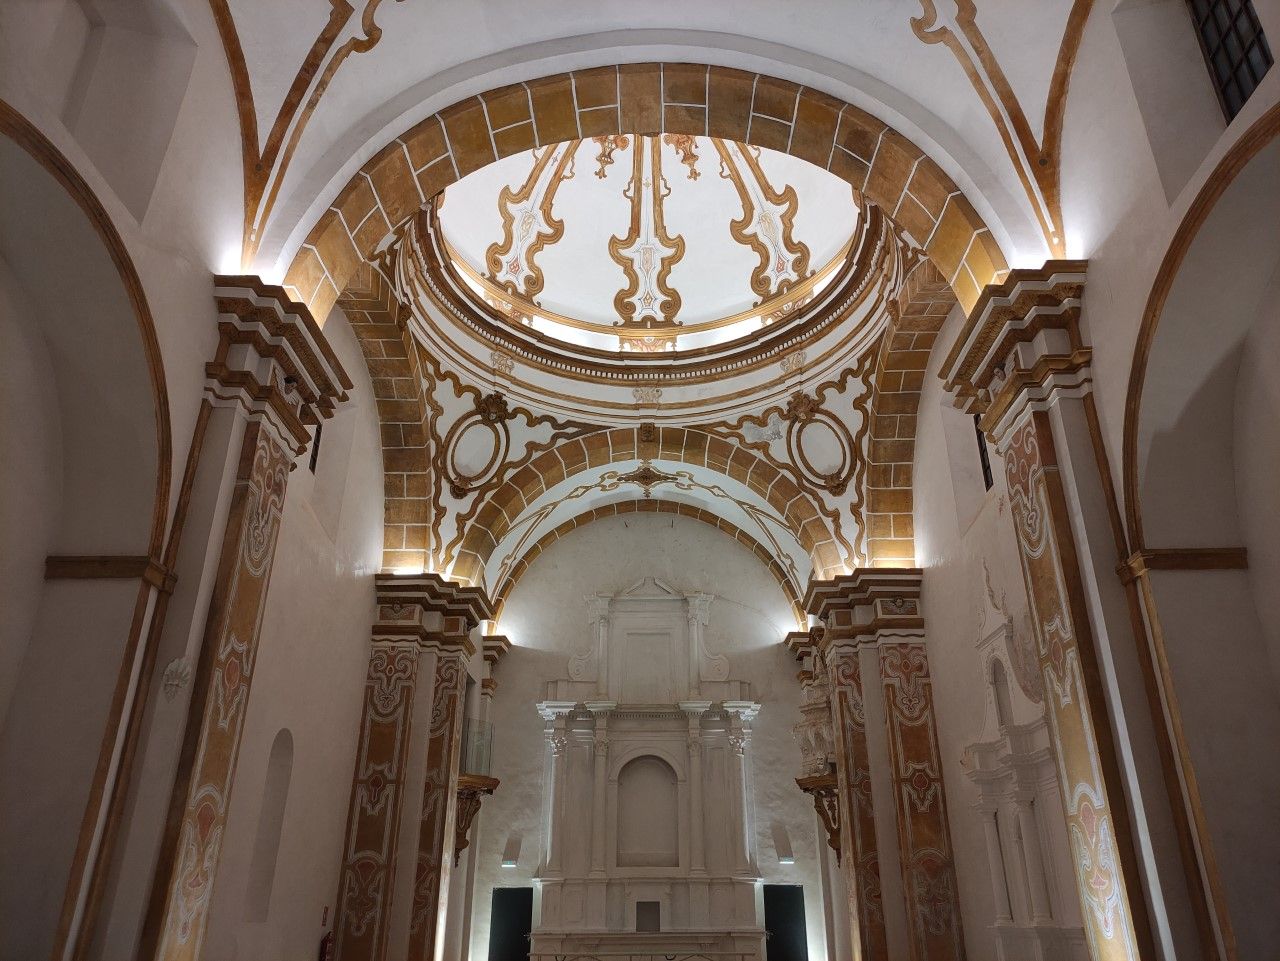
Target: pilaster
x,y
417,676
273,376
1022,365
877,612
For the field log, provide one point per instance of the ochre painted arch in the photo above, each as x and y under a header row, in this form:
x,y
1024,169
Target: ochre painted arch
x,y
491,520
647,98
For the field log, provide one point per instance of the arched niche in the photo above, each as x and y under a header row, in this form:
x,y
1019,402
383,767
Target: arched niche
x,y
648,814
266,844
83,506
1202,437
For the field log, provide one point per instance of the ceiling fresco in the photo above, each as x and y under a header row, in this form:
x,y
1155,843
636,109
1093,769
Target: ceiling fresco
x,y
648,243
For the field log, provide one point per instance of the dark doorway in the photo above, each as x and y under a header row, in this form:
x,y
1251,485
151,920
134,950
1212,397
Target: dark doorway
x,y
784,921
510,921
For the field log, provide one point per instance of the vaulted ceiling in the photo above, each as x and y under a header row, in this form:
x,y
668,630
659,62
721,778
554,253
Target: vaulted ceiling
x,y
979,87
612,255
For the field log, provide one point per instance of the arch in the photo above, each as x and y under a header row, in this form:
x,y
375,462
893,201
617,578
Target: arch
x,y
43,151
102,557
648,506
266,844
647,98
492,517
1263,131
648,814
1190,534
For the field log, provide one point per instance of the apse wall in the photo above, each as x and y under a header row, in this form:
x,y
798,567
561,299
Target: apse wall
x,y
309,681
546,620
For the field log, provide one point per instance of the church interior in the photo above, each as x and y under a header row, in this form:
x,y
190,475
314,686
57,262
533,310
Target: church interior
x,y
544,481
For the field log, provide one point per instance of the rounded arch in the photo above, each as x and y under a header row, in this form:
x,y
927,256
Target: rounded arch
x,y
1257,138
647,98
648,506
87,407
493,516
22,132
1199,465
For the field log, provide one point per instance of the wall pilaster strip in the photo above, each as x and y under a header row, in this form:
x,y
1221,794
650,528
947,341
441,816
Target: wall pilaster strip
x,y
1019,356
1073,693
377,799
439,812
924,839
223,679
274,372
859,857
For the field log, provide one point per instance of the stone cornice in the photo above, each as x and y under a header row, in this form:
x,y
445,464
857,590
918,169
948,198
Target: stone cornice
x,y
415,595
1020,344
273,360
868,603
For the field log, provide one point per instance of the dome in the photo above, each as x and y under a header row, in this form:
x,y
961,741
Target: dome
x,y
642,243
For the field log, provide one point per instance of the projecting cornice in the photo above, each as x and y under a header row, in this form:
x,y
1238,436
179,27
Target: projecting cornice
x,y
429,609
273,360
861,605
1020,345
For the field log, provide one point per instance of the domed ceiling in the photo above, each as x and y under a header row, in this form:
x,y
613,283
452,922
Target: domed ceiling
x,y
647,243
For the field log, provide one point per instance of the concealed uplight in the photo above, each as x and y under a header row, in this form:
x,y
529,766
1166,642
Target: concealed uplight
x,y
787,860
508,864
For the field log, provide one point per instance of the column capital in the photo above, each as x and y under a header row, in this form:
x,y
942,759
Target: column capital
x,y
272,360
858,608
1021,346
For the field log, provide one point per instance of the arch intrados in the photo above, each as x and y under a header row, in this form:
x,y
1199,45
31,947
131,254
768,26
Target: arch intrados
x,y
522,564
647,98
491,519
23,133
1263,131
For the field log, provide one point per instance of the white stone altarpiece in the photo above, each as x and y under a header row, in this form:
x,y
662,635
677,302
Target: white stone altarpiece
x,y
648,826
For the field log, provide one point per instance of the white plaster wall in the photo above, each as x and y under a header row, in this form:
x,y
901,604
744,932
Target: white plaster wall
x,y
309,678
30,497
1257,464
1115,209
951,541
546,619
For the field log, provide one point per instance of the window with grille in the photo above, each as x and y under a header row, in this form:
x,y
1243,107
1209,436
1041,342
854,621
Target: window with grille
x,y
1234,47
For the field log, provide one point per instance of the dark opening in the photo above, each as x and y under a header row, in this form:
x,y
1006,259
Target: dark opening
x,y
784,922
315,448
510,921
1234,48
648,915
983,455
